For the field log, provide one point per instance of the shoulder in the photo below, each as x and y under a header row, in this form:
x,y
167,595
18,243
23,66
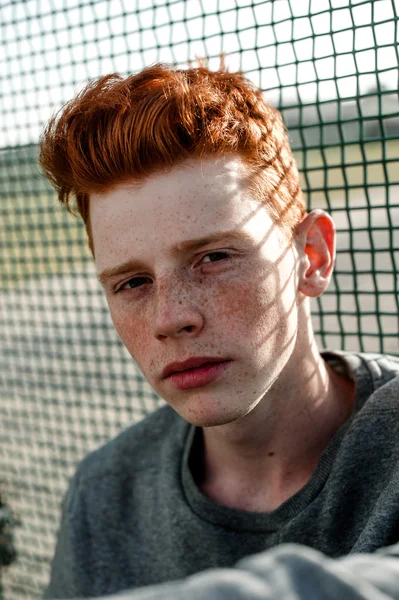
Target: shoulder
x,y
136,449
374,370
383,368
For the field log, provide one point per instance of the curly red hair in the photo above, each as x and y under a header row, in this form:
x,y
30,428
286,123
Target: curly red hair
x,y
124,129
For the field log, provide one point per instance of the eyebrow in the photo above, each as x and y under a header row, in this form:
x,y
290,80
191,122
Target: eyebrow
x,y
176,249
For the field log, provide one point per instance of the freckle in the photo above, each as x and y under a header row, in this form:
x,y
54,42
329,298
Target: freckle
x,y
271,454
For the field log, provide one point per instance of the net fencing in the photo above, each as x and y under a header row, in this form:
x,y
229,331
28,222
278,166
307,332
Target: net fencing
x,y
66,382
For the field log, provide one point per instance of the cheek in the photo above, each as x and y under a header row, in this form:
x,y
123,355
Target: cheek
x,y
247,300
259,311
133,330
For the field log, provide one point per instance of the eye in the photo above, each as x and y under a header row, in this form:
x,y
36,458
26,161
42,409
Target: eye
x,y
215,256
135,282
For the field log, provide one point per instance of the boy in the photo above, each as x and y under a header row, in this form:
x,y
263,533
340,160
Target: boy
x,y
190,195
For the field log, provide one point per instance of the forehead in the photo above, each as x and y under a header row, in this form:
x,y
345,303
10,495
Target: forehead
x,y
191,201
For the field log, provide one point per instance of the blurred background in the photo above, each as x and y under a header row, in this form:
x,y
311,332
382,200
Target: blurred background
x,y
66,382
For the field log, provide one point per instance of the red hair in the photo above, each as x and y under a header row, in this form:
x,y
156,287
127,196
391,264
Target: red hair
x,y
124,129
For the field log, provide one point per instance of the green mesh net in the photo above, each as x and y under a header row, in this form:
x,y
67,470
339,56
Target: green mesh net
x,y
66,382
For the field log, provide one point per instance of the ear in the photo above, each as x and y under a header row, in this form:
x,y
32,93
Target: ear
x,y
315,239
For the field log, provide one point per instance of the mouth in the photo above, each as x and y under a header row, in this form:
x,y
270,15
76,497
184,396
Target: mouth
x,y
195,372
189,364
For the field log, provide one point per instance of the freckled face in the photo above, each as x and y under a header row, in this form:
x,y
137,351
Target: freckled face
x,y
204,273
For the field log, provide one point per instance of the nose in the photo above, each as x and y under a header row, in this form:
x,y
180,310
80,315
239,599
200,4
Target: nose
x,y
176,311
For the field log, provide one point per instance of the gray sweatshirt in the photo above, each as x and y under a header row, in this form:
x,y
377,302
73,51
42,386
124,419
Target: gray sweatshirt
x,y
133,515
288,572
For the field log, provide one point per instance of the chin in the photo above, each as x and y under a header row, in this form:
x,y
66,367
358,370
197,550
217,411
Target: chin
x,y
210,415
209,421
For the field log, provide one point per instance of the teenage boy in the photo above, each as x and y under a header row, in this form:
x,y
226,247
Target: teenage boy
x,y
190,195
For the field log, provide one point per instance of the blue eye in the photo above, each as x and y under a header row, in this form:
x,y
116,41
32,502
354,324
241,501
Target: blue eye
x,y
215,256
135,282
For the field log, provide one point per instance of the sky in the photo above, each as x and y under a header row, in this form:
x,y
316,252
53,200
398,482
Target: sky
x,y
297,50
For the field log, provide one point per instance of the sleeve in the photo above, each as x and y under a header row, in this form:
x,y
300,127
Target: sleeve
x,y
289,572
65,572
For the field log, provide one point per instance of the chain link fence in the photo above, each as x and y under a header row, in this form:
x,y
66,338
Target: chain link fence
x,y
66,382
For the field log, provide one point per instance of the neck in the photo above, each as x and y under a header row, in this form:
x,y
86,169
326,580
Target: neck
x,y
260,460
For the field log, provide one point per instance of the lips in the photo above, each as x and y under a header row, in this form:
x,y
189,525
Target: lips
x,y
195,373
191,363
